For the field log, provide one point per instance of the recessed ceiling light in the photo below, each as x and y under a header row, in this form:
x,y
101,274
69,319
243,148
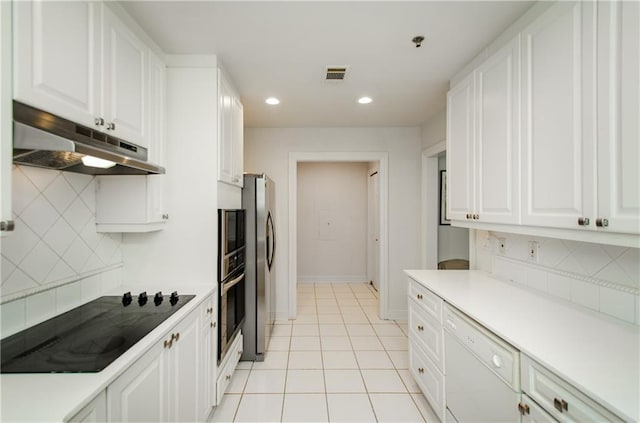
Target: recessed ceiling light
x,y
364,100
272,101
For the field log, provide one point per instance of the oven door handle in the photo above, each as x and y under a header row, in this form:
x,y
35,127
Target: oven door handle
x,y
226,286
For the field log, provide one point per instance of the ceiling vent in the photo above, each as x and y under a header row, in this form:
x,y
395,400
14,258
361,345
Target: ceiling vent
x,y
335,73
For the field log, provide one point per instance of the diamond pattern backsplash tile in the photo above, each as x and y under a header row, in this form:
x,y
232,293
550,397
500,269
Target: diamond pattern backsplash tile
x,y
55,237
601,277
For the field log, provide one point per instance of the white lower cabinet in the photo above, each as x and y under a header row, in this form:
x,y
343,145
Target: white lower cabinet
x,y
426,346
532,412
169,382
561,400
208,357
94,412
227,367
429,378
140,393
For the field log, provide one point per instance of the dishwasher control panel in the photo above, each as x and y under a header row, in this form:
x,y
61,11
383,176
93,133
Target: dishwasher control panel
x,y
500,357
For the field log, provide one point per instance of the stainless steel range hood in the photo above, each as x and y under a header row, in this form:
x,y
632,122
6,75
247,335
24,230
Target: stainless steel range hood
x,y
49,141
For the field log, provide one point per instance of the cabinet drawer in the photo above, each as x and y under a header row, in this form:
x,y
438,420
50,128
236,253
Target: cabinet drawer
x,y
429,378
426,331
534,413
427,299
560,399
225,373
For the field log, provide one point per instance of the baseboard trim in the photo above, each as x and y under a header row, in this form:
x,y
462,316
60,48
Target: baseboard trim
x,y
333,278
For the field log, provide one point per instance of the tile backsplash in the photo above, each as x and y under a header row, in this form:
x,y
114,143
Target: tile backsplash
x,y
55,258
603,278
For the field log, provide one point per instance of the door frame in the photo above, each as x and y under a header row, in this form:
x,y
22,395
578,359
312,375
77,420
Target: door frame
x,y
431,204
382,158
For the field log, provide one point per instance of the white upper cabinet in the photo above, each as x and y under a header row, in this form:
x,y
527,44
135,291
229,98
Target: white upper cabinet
x,y
125,81
57,54
156,108
78,60
6,135
618,117
230,135
558,52
483,141
460,145
497,147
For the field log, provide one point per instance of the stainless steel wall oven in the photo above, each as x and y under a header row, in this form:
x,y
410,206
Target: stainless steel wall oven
x,y
231,277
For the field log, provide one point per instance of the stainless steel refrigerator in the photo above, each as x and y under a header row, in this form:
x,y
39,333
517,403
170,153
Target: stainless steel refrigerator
x,y
258,200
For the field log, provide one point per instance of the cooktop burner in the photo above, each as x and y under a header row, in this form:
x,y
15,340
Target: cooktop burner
x,y
87,338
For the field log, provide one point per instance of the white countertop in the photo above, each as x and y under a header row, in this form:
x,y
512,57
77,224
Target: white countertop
x,y
597,354
56,397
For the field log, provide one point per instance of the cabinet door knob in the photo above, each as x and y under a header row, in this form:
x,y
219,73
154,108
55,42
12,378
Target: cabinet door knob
x,y
602,222
99,121
419,296
228,377
476,216
583,221
111,126
167,344
420,370
468,216
420,327
7,226
212,324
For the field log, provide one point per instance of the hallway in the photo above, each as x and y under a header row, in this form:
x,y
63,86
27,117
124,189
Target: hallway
x,y
336,362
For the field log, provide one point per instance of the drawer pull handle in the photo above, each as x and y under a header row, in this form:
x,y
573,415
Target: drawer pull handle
x,y
420,370
213,324
524,409
560,405
228,377
419,296
168,344
420,327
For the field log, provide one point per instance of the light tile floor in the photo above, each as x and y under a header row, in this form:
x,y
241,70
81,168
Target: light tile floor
x,y
337,362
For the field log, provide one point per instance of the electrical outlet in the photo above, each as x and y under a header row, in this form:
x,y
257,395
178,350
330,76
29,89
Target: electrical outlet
x,y
502,246
533,251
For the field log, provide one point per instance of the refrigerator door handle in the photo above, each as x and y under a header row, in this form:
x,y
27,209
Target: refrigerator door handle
x,y
271,241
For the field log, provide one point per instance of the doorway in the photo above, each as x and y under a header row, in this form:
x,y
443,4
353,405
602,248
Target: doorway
x,y
441,242
379,159
373,225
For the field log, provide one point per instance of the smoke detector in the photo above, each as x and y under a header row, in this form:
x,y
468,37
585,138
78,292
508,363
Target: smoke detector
x,y
335,73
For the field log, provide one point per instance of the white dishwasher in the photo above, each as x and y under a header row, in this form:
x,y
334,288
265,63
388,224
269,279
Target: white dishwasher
x,y
482,372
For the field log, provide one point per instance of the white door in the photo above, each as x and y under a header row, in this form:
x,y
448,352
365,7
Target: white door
x,y
619,116
57,57
373,261
460,149
558,120
498,136
125,82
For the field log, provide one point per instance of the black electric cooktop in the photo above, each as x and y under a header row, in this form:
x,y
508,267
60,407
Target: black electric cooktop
x,y
87,338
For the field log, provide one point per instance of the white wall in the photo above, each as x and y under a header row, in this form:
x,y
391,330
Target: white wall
x,y
54,260
267,150
332,222
603,278
434,129
186,250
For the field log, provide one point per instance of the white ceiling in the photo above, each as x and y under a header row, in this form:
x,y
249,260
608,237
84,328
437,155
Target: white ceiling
x,y
281,49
